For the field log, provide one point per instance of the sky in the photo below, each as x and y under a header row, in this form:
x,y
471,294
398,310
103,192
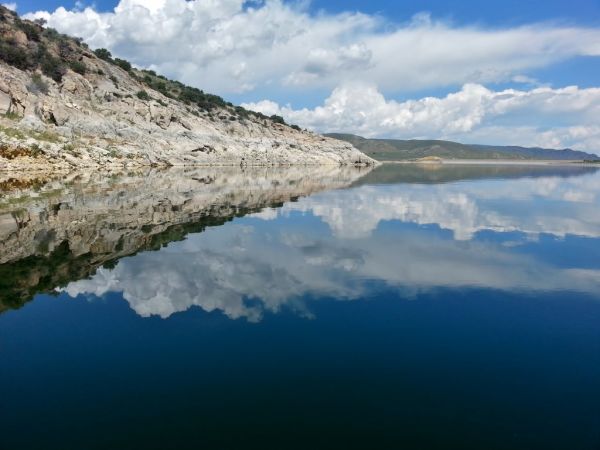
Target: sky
x,y
509,72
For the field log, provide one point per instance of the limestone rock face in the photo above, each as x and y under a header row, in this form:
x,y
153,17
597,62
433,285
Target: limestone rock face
x,y
13,96
99,120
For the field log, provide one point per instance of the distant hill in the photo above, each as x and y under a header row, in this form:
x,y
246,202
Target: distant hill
x,y
398,150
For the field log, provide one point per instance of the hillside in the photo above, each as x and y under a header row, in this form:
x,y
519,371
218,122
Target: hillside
x,y
397,150
63,105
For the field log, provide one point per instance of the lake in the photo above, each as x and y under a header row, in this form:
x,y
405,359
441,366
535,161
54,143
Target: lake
x,y
406,306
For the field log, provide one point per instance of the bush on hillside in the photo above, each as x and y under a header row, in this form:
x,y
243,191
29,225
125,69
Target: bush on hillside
x,y
125,65
53,68
277,119
14,56
78,67
102,53
51,34
31,31
143,95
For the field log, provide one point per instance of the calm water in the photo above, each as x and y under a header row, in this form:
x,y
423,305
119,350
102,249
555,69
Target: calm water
x,y
406,307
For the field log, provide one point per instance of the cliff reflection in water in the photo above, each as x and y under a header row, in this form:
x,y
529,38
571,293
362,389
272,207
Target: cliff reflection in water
x,y
57,231
410,233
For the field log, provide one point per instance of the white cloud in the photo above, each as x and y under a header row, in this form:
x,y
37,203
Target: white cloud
x,y
234,46
231,45
12,6
473,114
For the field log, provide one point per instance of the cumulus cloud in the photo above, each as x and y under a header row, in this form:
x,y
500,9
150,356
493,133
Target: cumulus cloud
x,y
473,114
235,45
12,6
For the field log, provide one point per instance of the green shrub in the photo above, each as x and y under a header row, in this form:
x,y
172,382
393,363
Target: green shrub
x,y
51,34
31,31
277,119
102,53
296,127
65,50
14,56
143,95
125,65
53,68
78,67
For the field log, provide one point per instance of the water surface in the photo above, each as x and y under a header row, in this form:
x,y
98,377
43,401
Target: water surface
x,y
403,307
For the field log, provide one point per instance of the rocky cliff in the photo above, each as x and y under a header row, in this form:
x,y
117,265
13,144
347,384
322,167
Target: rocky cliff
x,y
63,105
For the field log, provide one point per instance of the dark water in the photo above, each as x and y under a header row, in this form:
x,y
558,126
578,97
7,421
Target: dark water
x,y
407,307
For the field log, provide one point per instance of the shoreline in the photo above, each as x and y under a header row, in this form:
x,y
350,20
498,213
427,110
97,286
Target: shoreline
x,y
504,162
45,166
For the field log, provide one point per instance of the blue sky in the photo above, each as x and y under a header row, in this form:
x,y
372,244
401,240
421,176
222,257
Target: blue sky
x,y
505,12
498,72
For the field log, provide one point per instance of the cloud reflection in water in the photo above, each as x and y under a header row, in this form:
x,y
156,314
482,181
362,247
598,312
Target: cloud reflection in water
x,y
274,259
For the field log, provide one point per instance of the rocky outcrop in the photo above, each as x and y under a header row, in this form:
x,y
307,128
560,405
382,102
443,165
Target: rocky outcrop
x,y
105,116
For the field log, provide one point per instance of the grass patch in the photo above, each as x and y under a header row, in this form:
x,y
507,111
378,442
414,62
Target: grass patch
x,y
11,115
46,136
12,132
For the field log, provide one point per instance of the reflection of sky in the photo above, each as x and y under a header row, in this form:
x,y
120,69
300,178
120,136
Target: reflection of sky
x,y
506,235
552,205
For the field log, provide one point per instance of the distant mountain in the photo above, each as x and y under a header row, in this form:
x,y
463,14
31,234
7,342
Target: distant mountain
x,y
398,150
